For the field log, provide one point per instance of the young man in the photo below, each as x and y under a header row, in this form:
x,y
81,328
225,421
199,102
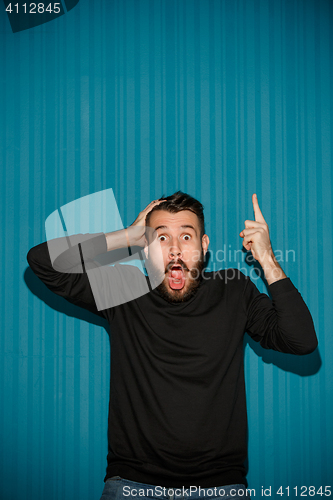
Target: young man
x,y
177,414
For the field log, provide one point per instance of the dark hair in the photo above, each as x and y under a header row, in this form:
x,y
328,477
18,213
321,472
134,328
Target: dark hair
x,y
176,203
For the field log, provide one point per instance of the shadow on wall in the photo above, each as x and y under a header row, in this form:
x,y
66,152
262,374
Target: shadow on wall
x,y
304,365
24,15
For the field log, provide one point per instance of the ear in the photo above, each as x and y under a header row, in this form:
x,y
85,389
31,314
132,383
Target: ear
x,y
205,243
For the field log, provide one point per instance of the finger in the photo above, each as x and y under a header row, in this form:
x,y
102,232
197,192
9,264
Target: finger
x,y
249,238
153,203
257,212
140,220
149,208
247,232
157,201
252,224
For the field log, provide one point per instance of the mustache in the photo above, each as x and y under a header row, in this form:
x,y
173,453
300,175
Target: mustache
x,y
179,262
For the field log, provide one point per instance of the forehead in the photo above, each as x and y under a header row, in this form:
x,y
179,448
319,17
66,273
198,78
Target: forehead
x,y
173,221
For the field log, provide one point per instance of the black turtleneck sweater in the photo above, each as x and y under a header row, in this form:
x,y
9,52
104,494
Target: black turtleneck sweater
x,y
177,413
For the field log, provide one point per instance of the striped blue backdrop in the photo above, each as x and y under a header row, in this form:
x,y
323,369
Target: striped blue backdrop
x,y
218,98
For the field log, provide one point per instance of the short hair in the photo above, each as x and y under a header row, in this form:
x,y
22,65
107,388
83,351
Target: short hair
x,y
178,202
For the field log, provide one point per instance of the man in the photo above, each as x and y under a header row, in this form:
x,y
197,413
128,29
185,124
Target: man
x,y
177,414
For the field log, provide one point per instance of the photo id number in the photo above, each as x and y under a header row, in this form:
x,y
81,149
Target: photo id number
x,y
305,491
33,8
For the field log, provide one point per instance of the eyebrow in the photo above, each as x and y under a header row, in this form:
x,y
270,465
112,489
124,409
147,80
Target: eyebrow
x,y
185,226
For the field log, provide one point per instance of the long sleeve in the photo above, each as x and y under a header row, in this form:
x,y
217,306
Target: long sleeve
x,y
283,323
67,276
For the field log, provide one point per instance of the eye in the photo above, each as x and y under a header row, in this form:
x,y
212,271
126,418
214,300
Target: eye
x,y
162,236
187,237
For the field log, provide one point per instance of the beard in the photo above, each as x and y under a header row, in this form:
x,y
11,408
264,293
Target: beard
x,y
189,289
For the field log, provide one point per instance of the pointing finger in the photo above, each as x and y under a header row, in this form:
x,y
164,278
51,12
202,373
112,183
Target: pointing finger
x,y
257,212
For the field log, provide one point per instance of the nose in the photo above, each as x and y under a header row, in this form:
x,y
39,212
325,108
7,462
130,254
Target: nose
x,y
174,252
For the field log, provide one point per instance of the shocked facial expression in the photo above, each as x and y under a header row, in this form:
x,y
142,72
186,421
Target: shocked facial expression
x,y
183,251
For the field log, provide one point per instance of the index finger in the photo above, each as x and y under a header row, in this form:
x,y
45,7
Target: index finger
x,y
257,212
154,202
151,205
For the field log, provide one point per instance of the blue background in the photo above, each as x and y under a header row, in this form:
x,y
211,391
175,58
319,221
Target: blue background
x,y
218,98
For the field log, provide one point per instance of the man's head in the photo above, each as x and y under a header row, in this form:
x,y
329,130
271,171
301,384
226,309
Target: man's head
x,y
178,224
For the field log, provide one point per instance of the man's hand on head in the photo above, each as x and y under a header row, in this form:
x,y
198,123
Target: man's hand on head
x,y
136,231
256,238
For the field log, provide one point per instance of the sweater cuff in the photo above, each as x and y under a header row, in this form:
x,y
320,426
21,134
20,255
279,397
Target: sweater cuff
x,y
281,286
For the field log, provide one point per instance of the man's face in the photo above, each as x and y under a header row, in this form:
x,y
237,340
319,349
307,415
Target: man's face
x,y
183,251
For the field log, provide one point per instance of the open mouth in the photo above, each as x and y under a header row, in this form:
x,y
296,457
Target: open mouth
x,y
176,277
177,267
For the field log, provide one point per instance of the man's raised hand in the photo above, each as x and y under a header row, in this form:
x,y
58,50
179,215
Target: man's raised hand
x,y
140,220
256,234
136,231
